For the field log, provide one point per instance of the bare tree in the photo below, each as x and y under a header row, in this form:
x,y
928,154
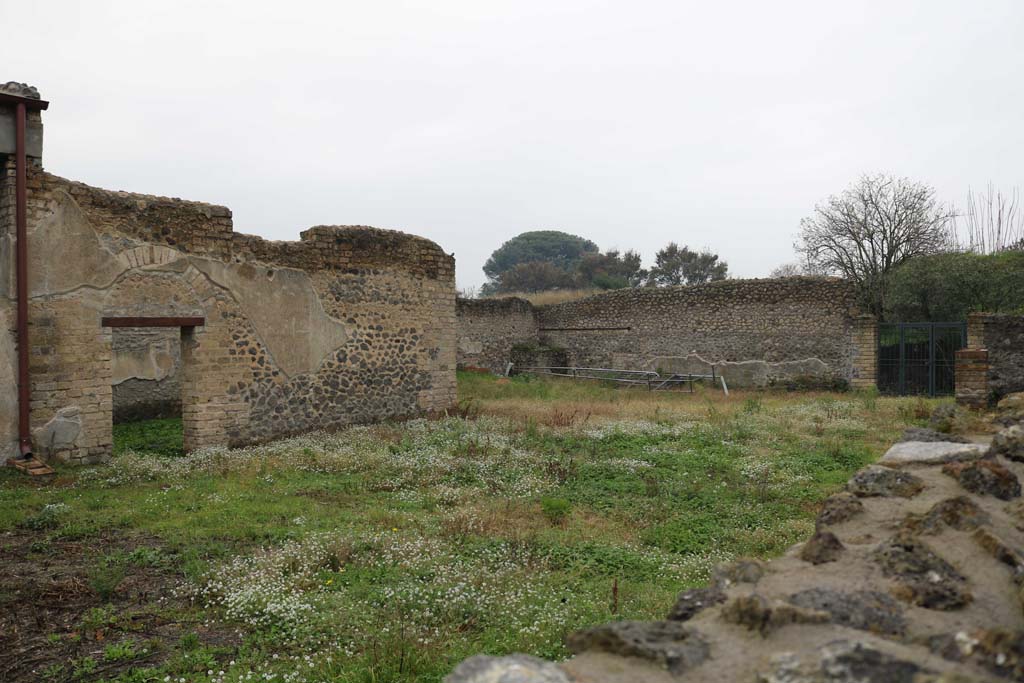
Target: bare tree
x,y
794,268
992,222
870,228
786,270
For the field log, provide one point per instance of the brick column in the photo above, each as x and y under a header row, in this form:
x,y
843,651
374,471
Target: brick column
x,y
865,352
976,330
972,377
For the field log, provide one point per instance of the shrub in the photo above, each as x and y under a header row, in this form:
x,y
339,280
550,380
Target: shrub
x,y
555,509
47,518
105,578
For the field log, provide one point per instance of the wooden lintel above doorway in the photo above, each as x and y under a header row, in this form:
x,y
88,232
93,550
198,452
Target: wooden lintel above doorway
x,y
152,321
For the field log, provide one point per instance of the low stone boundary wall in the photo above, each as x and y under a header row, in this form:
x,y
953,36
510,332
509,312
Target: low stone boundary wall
x,y
802,332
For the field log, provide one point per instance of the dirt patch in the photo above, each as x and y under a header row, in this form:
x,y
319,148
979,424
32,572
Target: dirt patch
x,y
70,612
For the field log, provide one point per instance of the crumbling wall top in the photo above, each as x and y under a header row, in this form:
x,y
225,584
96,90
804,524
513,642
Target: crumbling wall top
x,y
207,229
508,304
20,90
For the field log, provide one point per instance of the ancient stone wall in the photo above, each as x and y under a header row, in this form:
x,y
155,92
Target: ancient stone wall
x,y
349,324
488,329
147,372
756,332
1002,336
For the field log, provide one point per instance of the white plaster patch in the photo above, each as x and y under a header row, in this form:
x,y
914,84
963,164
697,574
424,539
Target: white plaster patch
x,y
284,308
65,252
930,453
59,434
155,361
469,346
745,373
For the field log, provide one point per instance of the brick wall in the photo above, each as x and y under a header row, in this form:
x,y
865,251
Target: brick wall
x,y
972,387
348,324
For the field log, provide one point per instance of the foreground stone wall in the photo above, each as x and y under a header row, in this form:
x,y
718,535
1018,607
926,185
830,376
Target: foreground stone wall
x,y
349,324
914,575
757,332
1002,336
488,329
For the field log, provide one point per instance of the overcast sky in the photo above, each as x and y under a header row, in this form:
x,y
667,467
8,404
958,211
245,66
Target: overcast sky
x,y
633,124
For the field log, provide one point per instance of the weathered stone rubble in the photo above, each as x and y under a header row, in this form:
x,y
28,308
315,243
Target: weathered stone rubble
x,y
914,575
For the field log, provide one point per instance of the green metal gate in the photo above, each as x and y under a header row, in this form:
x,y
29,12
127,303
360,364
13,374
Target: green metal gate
x,y
919,358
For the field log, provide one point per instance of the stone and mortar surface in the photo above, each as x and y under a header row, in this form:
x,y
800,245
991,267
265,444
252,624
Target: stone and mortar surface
x,y
1002,336
488,329
756,332
349,324
914,575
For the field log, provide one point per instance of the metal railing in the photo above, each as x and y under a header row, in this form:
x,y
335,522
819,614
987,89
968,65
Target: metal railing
x,y
654,381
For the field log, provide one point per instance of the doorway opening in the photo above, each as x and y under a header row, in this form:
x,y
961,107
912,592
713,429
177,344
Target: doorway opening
x,y
147,383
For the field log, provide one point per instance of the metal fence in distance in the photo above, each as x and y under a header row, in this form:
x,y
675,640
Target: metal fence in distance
x,y
654,381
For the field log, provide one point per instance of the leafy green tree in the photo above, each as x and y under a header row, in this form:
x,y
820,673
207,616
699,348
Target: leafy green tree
x,y
610,270
946,287
559,249
534,276
675,265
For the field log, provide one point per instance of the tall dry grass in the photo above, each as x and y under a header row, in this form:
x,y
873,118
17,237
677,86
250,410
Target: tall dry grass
x,y
556,296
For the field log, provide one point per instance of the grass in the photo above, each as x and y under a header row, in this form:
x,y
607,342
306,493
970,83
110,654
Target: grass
x,y
157,437
391,552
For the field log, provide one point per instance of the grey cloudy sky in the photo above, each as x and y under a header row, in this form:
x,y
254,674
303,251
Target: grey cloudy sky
x,y
630,123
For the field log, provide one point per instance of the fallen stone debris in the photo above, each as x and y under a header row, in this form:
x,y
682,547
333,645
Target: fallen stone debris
x,y
915,574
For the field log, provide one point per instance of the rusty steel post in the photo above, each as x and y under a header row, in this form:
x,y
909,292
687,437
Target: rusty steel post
x,y
21,235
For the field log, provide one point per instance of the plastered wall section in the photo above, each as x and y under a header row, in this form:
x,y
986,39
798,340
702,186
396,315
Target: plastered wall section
x,y
756,332
489,328
348,324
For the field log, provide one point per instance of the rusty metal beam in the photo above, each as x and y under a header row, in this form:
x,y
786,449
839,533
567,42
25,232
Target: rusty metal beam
x,y
29,102
152,321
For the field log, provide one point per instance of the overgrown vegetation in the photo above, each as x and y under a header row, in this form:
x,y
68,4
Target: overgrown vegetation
x,y
157,437
947,287
391,552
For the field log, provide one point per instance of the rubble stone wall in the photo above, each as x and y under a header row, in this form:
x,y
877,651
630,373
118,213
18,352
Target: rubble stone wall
x,y
1002,335
348,324
756,332
489,329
